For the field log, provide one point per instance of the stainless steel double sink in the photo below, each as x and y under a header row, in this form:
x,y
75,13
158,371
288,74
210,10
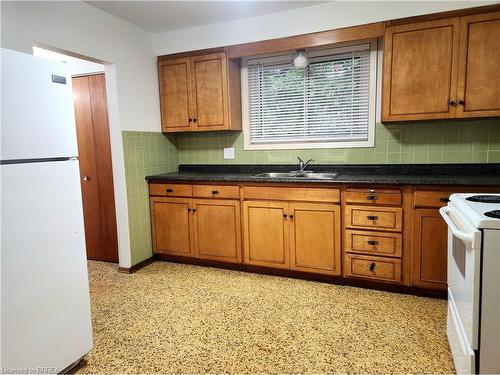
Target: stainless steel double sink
x,y
306,175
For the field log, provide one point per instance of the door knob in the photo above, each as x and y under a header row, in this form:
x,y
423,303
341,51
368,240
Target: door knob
x,y
85,178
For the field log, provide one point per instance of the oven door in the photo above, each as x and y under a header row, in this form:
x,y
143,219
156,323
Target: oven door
x,y
464,257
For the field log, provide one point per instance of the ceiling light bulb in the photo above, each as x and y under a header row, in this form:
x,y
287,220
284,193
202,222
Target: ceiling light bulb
x,y
300,60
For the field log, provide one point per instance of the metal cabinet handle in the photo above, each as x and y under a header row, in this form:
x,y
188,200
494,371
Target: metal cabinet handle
x,y
190,119
194,120
169,190
285,216
372,197
372,217
461,102
189,210
194,210
215,192
444,199
372,267
291,217
85,178
372,242
452,102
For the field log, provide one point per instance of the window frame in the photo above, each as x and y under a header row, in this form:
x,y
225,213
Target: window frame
x,y
341,48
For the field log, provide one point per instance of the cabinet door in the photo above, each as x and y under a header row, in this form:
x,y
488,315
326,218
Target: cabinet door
x,y
210,91
315,238
265,232
175,82
217,229
171,226
429,249
420,70
478,75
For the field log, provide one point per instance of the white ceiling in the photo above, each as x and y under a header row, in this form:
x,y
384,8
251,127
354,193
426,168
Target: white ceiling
x,y
159,16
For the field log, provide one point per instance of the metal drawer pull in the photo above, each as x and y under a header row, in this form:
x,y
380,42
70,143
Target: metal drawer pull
x,y
372,217
169,191
372,242
215,192
372,197
444,199
372,267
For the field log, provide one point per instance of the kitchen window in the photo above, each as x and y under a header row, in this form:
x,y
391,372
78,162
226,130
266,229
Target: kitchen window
x,y
328,104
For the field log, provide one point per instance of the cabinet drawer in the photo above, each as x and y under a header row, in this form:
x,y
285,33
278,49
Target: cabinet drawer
x,y
380,218
378,268
373,196
216,191
171,190
292,194
373,243
431,198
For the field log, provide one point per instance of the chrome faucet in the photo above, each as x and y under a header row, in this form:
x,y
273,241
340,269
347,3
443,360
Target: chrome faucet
x,y
303,165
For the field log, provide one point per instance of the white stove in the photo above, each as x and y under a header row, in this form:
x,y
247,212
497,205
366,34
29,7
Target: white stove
x,y
481,210
473,281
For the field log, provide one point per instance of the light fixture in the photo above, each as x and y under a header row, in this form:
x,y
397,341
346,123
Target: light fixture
x,y
300,59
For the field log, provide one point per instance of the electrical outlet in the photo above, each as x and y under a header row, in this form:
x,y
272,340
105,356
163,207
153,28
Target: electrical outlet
x,y
229,153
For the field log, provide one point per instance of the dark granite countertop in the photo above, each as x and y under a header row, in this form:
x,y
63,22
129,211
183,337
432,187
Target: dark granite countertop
x,y
411,174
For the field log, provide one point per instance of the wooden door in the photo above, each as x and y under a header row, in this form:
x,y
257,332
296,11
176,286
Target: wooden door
x,y
171,226
315,238
429,249
94,149
478,75
217,229
210,91
265,232
420,70
177,110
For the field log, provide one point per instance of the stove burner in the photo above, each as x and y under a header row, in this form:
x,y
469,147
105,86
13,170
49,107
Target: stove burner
x,y
484,198
495,214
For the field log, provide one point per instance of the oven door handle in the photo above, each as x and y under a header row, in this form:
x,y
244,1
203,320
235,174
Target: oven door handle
x,y
466,237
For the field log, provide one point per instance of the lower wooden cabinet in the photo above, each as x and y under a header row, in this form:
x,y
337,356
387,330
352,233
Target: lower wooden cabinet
x,y
171,226
315,238
379,268
265,232
299,236
207,229
429,249
217,229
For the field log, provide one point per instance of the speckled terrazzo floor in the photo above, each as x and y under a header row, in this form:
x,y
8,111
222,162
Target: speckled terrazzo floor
x,y
173,318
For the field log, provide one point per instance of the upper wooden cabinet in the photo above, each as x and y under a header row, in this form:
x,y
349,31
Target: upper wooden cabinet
x,y
199,93
478,74
442,69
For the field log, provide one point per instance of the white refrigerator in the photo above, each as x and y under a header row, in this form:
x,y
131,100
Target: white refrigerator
x,y
45,306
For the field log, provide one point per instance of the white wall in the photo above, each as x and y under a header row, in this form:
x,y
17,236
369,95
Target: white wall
x,y
76,66
81,28
321,17
129,57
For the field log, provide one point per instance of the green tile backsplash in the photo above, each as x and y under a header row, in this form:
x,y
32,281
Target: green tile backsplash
x,y
465,141
145,153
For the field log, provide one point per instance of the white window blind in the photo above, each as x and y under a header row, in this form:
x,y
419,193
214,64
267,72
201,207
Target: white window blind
x,y
329,101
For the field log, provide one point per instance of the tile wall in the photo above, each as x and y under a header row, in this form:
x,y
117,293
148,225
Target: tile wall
x,y
145,153
465,141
